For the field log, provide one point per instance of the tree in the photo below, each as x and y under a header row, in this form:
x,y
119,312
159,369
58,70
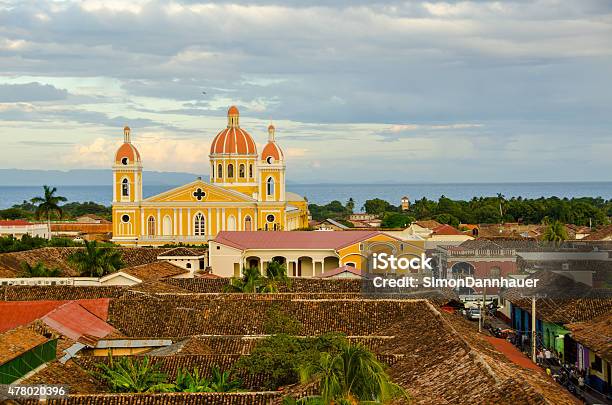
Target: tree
x,y
127,374
48,204
376,206
555,232
95,261
38,270
250,282
396,220
353,375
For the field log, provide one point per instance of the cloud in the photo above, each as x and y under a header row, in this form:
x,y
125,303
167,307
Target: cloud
x,y
16,93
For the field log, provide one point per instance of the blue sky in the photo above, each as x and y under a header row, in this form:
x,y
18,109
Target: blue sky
x,y
371,91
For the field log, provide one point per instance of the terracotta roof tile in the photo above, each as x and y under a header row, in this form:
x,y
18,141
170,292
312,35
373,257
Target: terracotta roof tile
x,y
291,239
18,341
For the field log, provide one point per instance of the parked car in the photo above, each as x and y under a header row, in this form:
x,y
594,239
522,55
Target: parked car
x,y
473,314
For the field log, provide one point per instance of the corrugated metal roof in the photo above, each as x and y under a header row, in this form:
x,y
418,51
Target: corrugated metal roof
x,y
76,322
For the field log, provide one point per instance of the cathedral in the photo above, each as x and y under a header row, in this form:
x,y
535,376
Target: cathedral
x,y
245,192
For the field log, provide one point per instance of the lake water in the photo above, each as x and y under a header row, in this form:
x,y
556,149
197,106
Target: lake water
x,y
324,193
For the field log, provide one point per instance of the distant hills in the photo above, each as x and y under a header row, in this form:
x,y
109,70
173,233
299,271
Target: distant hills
x,y
18,177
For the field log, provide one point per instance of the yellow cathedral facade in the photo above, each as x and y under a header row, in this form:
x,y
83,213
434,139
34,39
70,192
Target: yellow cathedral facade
x,y
245,192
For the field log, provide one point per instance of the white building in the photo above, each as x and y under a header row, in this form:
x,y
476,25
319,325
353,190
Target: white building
x,y
18,227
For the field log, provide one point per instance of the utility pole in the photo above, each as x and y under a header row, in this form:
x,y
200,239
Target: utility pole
x,y
533,329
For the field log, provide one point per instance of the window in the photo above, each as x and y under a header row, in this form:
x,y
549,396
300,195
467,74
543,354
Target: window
x,y
231,223
350,264
188,265
125,188
241,171
270,160
212,171
220,171
495,272
125,161
251,171
270,186
230,170
270,218
125,218
247,223
199,225
151,226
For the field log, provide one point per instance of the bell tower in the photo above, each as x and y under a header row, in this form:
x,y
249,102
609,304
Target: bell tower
x,y
127,172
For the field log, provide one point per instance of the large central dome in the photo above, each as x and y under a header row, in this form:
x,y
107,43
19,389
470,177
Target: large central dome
x,y
233,140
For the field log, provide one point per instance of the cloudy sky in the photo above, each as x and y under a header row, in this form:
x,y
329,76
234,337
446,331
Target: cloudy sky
x,y
417,91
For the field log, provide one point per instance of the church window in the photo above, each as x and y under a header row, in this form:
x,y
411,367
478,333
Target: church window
x,y
230,170
125,188
270,160
151,226
125,161
270,186
270,218
231,223
241,171
212,171
251,171
125,218
220,171
199,225
248,223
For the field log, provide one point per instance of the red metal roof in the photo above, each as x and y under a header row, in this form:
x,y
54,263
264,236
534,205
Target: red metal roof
x,y
446,230
292,239
339,270
14,222
75,321
17,313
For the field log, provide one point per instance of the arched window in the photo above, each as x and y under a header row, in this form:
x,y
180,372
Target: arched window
x,y
220,171
167,225
230,170
125,188
151,226
270,186
212,171
248,225
241,171
495,272
199,225
250,171
231,223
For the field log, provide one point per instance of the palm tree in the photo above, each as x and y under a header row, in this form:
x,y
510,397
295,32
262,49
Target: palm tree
x,y
39,270
555,232
95,261
250,282
48,204
221,381
127,375
352,375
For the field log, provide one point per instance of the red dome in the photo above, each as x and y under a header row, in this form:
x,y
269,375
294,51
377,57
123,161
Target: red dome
x,y
129,151
234,141
272,149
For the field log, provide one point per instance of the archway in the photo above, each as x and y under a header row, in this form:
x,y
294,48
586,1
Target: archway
x,y
330,263
304,267
252,262
167,225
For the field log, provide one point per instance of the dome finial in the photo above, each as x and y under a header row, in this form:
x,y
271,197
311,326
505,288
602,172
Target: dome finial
x,y
126,134
232,117
271,132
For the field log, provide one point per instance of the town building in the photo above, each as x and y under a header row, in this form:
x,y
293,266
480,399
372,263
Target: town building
x,y
17,228
246,192
306,254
